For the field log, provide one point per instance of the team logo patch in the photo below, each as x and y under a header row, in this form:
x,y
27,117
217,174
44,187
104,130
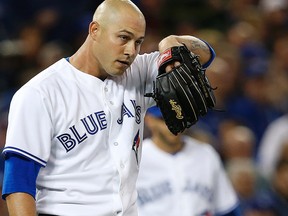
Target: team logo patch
x,y
136,144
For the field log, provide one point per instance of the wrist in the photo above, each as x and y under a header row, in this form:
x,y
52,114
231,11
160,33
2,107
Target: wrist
x,y
212,55
168,42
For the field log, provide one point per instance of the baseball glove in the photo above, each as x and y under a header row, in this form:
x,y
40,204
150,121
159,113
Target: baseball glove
x,y
184,93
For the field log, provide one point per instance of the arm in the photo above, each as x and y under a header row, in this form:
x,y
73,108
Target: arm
x,y
21,204
19,185
194,44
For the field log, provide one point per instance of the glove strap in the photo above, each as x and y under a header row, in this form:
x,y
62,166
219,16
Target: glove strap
x,y
169,55
164,57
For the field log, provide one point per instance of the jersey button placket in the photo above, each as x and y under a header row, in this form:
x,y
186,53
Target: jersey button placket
x,y
106,93
122,166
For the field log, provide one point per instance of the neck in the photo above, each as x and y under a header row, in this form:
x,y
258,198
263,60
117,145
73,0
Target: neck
x,y
84,61
171,147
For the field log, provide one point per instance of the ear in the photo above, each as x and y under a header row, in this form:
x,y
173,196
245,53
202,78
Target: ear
x,y
93,29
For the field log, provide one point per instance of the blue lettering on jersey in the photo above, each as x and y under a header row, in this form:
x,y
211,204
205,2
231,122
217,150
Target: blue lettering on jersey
x,y
67,141
78,137
92,123
137,112
201,189
156,192
126,112
159,191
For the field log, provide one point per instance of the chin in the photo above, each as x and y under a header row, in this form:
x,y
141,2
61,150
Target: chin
x,y
117,72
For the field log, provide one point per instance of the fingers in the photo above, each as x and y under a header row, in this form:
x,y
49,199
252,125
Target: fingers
x,y
171,66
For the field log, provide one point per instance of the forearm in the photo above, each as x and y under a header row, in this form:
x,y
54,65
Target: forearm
x,y
21,204
194,44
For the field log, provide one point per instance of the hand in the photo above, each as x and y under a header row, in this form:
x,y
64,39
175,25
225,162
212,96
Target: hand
x,y
184,93
194,44
171,66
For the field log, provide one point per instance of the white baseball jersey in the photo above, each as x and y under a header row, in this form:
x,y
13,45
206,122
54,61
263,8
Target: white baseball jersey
x,y
87,134
271,146
191,182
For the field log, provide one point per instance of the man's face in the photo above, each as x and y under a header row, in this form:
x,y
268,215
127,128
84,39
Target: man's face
x,y
161,130
118,42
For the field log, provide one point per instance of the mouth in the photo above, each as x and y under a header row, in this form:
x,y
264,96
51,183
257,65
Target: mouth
x,y
124,63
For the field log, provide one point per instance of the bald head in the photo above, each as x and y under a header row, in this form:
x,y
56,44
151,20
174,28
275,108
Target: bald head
x,y
114,39
110,10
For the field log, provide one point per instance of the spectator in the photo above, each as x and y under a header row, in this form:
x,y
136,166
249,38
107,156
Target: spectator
x,y
244,177
237,142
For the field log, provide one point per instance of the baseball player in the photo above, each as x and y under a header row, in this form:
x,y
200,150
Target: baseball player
x,y
178,175
75,130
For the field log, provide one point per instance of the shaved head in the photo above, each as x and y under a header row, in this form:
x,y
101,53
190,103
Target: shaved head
x,y
110,10
115,36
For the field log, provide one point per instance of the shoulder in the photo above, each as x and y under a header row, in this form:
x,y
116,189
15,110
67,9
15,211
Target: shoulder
x,y
146,58
40,83
204,150
197,145
144,67
48,74
275,132
279,123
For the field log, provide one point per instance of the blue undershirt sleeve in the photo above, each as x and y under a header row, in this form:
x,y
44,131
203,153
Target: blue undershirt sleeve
x,y
235,212
213,54
20,175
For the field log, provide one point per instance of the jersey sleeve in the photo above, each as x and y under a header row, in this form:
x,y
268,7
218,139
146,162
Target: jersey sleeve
x,y
225,198
147,66
20,175
29,129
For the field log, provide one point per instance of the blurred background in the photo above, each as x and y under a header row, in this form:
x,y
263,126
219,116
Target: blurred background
x,y
250,72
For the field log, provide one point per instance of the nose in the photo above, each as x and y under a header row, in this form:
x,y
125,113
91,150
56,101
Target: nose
x,y
130,49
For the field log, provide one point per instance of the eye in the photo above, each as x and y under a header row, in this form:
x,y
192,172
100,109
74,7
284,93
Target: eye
x,y
124,37
139,42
